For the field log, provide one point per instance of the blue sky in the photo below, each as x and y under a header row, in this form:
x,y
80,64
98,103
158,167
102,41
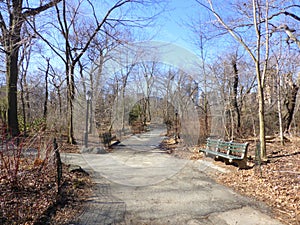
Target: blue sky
x,y
175,25
176,21
172,23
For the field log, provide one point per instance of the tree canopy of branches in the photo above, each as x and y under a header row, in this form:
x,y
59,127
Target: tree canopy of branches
x,y
255,26
68,36
12,18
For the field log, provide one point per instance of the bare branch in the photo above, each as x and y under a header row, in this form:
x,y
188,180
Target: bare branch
x,y
2,25
117,5
35,11
292,15
290,34
229,29
46,41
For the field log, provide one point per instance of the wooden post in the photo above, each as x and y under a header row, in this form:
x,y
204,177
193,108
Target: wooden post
x,y
58,165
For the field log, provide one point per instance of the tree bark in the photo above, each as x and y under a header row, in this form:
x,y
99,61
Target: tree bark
x,y
71,95
234,97
46,91
290,105
261,115
12,47
12,79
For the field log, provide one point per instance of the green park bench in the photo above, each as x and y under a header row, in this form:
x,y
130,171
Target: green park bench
x,y
229,151
107,139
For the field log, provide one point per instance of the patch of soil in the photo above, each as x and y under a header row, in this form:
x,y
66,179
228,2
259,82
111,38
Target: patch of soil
x,y
277,183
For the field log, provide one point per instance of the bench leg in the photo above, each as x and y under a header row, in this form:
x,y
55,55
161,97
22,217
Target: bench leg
x,y
242,164
217,158
227,162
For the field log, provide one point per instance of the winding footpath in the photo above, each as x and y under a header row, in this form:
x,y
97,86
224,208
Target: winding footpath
x,y
138,183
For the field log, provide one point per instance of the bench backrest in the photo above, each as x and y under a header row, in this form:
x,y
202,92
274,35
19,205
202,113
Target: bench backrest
x,y
233,148
212,144
228,147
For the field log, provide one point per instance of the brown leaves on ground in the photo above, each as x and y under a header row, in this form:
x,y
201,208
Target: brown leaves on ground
x,y
174,147
31,197
76,189
69,148
276,183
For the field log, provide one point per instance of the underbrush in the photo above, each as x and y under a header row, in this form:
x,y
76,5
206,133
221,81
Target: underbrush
x,y
35,187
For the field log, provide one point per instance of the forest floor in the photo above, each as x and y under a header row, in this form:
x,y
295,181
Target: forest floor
x,y
29,192
276,184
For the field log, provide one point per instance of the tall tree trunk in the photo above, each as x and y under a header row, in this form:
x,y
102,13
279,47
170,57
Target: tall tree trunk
x,y
260,75
91,117
12,79
27,98
149,109
23,102
71,95
279,107
12,45
11,42
206,108
234,97
46,91
59,101
123,108
261,115
279,111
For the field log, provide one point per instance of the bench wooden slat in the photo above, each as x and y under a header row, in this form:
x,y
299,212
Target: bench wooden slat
x,y
231,151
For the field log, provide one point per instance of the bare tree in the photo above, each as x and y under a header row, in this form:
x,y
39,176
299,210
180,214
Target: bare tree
x,y
125,73
201,40
109,48
11,40
24,94
258,53
148,70
79,35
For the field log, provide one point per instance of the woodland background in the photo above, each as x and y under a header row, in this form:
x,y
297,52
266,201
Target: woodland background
x,y
53,52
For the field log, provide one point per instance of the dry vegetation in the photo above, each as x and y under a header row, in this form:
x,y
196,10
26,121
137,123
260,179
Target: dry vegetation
x,y
277,183
28,186
29,191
